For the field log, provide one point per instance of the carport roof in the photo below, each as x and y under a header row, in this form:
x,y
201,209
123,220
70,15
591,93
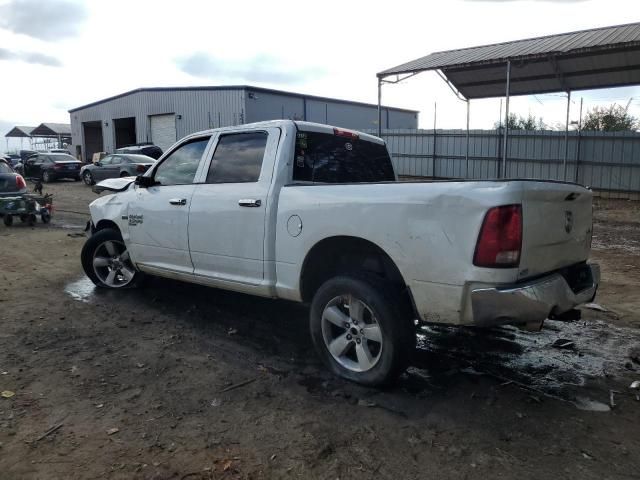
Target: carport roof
x,y
588,59
20,132
51,130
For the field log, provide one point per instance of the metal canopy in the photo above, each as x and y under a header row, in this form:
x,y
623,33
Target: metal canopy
x,y
20,132
52,130
589,59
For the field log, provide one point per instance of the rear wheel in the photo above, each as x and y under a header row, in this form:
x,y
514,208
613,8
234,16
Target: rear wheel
x,y
88,178
46,176
124,174
8,220
106,261
361,330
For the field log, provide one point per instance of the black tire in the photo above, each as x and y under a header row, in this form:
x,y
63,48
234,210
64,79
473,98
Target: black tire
x,y
46,177
76,179
88,178
124,174
89,250
31,221
45,217
393,317
8,220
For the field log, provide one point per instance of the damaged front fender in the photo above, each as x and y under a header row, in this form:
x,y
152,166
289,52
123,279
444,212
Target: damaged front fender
x,y
114,184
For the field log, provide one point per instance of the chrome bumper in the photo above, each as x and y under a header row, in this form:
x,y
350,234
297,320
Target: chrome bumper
x,y
531,302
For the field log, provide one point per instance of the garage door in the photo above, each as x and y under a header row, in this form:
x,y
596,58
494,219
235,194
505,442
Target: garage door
x,y
163,130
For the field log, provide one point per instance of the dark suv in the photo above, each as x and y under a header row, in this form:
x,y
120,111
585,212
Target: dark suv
x,y
148,149
50,166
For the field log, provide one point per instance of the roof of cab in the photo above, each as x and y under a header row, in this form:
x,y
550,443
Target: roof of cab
x,y
298,124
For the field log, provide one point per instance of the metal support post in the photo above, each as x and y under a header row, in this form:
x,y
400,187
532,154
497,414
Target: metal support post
x,y
566,138
467,151
506,122
433,158
577,172
379,107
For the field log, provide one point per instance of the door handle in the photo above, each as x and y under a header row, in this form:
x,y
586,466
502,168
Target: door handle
x,y
249,202
178,201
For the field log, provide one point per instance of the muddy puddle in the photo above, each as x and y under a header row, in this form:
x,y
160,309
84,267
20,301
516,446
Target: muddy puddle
x,y
569,361
82,290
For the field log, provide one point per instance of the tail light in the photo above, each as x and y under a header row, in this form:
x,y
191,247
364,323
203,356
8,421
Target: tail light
x,y
20,183
57,166
500,240
141,168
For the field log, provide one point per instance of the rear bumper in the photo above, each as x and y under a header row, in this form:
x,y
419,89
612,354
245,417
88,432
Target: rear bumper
x,y
534,301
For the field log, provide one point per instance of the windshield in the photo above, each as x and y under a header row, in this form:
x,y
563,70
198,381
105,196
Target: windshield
x,y
329,158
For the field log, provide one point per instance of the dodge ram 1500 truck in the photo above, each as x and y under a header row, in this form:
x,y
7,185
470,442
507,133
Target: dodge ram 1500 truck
x,y
313,213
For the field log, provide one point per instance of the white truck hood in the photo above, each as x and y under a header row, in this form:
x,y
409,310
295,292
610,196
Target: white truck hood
x,y
114,184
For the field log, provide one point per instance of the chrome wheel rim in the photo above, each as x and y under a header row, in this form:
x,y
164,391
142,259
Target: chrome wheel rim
x,y
351,333
87,178
112,264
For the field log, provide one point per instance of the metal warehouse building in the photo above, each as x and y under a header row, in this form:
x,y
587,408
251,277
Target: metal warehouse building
x,y
163,115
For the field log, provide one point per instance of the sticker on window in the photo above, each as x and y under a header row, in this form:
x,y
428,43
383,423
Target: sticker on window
x,y
348,146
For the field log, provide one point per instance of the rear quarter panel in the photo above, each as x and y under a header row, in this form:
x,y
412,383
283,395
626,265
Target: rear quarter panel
x,y
428,229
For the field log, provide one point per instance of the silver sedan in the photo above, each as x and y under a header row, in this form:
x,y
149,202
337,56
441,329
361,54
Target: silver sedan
x,y
114,166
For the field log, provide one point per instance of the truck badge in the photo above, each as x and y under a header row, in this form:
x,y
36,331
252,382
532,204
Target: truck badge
x,y
135,219
568,221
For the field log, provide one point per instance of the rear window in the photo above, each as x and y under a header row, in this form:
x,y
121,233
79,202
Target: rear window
x,y
61,157
327,158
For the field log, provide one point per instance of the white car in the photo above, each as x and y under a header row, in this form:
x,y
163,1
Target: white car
x,y
313,213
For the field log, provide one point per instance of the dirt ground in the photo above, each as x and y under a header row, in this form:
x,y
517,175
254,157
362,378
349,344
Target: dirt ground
x,y
178,381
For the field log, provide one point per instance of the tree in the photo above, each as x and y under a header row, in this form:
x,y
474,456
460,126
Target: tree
x,y
517,122
613,118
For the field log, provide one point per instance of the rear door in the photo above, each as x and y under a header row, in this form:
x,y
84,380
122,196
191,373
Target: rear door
x,y
227,215
557,226
159,215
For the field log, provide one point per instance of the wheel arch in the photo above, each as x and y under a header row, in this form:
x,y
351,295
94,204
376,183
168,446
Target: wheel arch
x,y
343,254
104,223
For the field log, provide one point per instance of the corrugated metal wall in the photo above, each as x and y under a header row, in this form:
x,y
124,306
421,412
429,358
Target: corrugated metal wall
x,y
608,161
204,109
267,106
200,110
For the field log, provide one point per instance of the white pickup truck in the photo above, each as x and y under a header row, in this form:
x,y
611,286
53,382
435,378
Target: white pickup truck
x,y
313,213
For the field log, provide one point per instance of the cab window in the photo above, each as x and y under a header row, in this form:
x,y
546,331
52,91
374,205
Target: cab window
x,y
180,167
238,158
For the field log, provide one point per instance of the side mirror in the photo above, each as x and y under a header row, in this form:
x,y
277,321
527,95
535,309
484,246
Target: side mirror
x,y
98,164
144,182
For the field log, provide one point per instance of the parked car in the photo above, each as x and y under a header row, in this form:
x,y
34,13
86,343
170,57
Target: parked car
x,y
148,149
11,182
313,213
12,158
50,166
59,150
113,166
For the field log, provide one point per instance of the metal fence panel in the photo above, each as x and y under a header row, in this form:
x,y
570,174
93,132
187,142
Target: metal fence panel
x,y
606,161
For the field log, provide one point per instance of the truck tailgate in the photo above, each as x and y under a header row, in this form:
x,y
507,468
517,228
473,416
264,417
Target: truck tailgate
x,y
557,226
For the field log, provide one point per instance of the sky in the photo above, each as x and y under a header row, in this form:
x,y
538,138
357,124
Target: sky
x,y
60,54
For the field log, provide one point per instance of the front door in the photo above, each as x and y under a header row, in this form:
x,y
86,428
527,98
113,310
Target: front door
x,y
227,215
159,215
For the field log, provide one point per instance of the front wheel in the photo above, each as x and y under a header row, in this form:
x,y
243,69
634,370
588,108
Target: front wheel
x,y
88,178
106,261
361,330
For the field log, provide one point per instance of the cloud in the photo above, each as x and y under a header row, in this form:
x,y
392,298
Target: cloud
x,y
261,68
45,20
30,57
